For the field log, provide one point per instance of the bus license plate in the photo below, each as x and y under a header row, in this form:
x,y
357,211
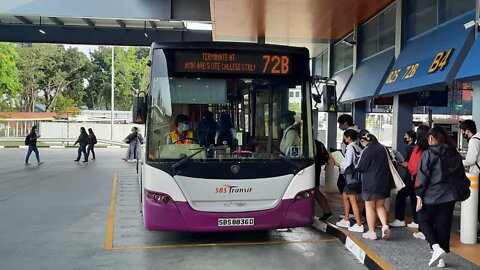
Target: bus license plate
x,y
222,222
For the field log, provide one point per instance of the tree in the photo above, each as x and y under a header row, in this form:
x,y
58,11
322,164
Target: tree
x,y
47,71
10,85
130,66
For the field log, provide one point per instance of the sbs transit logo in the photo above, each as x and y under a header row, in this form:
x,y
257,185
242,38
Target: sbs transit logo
x,y
227,189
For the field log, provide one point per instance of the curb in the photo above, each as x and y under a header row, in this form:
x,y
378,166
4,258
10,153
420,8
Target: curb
x,y
114,146
357,248
57,146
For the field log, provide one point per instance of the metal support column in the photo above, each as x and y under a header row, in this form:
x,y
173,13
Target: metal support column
x,y
476,100
331,172
360,113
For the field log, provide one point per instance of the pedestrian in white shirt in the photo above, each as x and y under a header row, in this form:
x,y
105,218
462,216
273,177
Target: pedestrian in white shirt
x,y
472,160
291,136
347,168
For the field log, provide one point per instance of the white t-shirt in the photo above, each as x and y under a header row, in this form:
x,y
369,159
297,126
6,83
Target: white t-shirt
x,y
473,154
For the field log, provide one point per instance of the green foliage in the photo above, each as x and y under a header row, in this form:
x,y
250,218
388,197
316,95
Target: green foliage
x,y
10,85
66,106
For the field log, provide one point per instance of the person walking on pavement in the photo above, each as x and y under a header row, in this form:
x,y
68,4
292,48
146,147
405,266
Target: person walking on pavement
x,y
376,184
31,141
92,140
321,158
472,160
135,140
82,141
438,174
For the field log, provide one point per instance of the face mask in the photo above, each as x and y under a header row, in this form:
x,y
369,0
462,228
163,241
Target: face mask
x,y
341,127
405,141
283,126
364,145
465,136
186,127
345,142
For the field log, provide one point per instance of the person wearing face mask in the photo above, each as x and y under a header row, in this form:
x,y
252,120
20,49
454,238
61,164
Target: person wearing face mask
x,y
182,134
409,190
438,178
135,140
347,169
291,136
376,184
472,159
225,134
345,122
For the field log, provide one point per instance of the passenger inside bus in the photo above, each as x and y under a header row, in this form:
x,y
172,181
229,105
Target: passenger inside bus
x,y
225,134
291,136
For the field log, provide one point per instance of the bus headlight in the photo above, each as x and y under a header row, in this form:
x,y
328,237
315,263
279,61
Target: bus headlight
x,y
156,197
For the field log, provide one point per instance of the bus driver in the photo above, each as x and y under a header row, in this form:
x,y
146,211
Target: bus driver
x,y
182,134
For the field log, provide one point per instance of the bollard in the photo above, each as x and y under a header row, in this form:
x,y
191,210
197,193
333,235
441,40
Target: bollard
x,y
469,213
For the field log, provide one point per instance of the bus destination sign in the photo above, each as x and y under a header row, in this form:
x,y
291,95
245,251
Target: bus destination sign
x,y
232,62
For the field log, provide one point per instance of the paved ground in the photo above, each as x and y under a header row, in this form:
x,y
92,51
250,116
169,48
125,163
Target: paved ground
x,y
54,216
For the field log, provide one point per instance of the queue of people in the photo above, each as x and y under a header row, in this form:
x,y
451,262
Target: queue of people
x,y
433,174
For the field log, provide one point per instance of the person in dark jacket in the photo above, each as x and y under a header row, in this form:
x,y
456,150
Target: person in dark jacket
x,y
82,141
206,130
92,140
436,194
32,146
376,184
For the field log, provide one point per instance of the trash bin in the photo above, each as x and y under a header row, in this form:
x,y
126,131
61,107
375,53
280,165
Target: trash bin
x,y
469,213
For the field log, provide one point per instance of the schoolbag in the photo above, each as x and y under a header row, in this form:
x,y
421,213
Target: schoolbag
x,y
453,172
27,140
321,156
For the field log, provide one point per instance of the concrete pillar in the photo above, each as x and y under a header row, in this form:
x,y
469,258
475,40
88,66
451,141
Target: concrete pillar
x,y
476,100
360,113
16,129
8,129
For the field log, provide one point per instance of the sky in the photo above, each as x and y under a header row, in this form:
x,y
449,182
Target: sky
x,y
83,48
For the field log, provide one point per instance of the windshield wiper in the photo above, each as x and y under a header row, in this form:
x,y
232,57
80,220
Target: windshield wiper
x,y
199,150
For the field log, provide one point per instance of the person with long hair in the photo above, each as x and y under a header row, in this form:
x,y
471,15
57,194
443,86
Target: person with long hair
x,y
412,165
376,184
82,142
92,140
436,192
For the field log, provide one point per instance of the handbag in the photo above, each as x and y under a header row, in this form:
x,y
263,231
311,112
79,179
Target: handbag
x,y
397,179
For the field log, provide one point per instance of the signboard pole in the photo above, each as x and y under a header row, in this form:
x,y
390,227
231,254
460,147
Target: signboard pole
x,y
112,94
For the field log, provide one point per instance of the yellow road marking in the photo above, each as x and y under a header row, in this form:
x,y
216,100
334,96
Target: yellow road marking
x,y
111,214
226,244
369,252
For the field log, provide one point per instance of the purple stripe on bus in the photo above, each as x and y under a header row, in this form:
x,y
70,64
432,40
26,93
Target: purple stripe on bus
x,y
179,216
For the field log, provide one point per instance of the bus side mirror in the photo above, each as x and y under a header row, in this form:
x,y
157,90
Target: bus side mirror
x,y
140,109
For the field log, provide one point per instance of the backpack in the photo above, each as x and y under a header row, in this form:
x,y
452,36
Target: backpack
x,y
453,172
476,163
27,140
321,155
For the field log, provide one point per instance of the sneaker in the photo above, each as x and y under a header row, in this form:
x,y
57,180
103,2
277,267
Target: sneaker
x,y
27,164
349,216
412,225
397,223
76,160
40,163
441,263
437,255
385,232
343,223
356,228
325,216
85,160
370,235
419,235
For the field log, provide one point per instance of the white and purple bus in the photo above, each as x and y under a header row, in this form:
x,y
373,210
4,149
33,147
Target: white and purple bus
x,y
247,184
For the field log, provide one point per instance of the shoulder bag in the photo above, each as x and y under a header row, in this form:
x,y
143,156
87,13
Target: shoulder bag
x,y
397,179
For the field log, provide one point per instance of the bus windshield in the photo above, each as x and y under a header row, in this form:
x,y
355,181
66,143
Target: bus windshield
x,y
225,118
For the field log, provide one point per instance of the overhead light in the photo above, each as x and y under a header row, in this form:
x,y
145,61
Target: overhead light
x,y
198,26
40,27
145,29
471,23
